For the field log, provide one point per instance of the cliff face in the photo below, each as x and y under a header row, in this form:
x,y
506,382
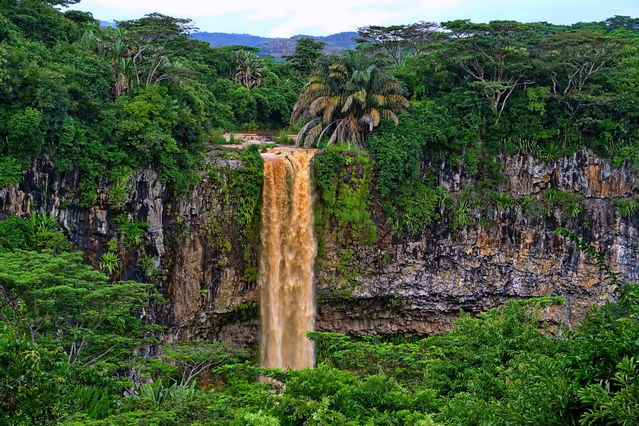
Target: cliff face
x,y
512,252
191,244
202,252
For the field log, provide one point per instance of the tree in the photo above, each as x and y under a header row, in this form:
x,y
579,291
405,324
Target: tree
x,y
156,27
115,45
248,70
142,51
498,56
29,389
617,22
58,301
307,52
398,40
575,58
63,3
347,98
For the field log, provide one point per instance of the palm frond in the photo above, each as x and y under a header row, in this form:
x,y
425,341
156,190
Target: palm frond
x,y
330,109
390,115
347,104
375,115
318,105
303,130
312,135
347,99
367,120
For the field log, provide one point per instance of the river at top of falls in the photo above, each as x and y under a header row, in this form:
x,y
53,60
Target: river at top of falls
x,y
287,306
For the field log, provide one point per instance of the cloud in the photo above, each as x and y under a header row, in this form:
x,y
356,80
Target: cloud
x,y
330,22
289,16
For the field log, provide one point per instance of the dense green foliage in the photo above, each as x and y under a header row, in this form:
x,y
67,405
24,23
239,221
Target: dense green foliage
x,y
142,94
481,90
67,334
344,180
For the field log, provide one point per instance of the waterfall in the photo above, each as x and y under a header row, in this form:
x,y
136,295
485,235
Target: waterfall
x,y
287,255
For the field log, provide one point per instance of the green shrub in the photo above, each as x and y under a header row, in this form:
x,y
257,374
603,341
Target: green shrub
x,y
615,400
459,215
629,153
109,262
399,150
118,189
569,203
220,140
132,231
627,207
37,231
14,235
284,138
344,179
11,171
504,200
414,207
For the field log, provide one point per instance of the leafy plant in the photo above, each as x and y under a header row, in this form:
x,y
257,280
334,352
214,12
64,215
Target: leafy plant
x,y
344,181
460,215
627,207
132,231
10,171
119,188
413,208
615,400
347,99
70,305
149,265
109,262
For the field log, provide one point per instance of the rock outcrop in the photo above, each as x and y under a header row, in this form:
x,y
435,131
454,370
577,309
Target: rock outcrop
x,y
418,287
202,260
190,242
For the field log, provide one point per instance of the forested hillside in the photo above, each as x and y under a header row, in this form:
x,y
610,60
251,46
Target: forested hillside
x,y
276,46
81,342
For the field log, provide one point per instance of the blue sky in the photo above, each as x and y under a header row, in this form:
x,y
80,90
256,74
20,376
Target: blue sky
x,y
288,17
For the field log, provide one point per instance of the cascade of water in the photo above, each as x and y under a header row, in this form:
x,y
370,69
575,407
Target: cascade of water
x,y
287,255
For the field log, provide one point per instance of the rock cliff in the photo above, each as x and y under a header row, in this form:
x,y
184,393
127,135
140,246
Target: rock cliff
x,y
509,252
201,248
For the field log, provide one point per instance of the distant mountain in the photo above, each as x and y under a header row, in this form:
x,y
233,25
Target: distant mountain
x,y
340,41
276,46
270,46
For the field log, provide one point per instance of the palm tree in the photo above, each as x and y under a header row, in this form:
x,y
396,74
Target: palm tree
x,y
132,60
347,99
248,69
115,45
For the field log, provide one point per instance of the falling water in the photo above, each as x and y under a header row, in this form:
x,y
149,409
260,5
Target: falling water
x,y
286,260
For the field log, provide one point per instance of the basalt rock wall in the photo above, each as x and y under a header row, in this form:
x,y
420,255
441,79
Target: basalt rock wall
x,y
190,243
419,286
200,257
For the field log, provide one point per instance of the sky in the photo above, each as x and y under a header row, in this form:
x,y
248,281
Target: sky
x,y
284,18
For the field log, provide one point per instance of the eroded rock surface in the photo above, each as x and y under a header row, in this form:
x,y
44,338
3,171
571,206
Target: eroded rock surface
x,y
418,287
201,280
395,286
